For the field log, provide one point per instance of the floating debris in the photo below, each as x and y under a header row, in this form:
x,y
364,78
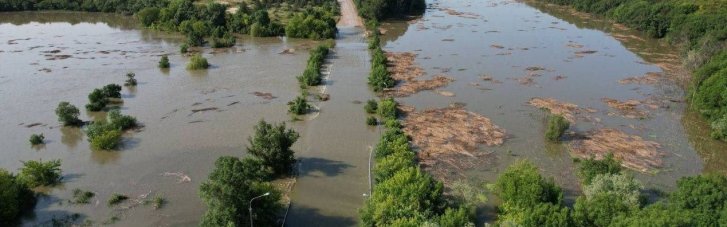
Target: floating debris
x,y
648,78
181,177
633,151
264,95
288,51
567,110
406,72
628,109
204,109
445,93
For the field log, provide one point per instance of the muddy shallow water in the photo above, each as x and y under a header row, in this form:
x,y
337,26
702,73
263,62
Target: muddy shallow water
x,y
524,53
101,49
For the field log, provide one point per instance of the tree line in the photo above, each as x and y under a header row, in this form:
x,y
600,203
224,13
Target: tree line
x,y
698,27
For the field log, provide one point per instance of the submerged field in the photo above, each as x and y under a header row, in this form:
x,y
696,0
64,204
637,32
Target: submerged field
x,y
475,81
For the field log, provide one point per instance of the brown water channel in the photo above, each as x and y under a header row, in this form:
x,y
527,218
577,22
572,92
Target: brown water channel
x,y
469,39
101,49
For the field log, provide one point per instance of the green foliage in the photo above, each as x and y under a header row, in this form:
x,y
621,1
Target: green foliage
x,y
658,214
112,90
195,31
456,218
197,62
37,139
148,16
381,9
312,23
388,165
374,40
371,106
372,121
298,106
99,98
590,168
120,121
546,214
130,77
116,198
40,173
387,109
68,114
107,135
719,128
704,195
271,144
164,62
14,198
106,140
226,40
557,125
82,197
158,202
521,186
184,48
622,186
600,210
467,195
228,190
312,73
379,78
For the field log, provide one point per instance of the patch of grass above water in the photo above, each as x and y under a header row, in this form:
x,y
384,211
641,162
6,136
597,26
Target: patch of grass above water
x,y
197,62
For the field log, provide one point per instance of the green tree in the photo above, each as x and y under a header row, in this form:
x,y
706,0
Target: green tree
x,y
68,114
228,190
456,218
521,186
298,106
557,125
547,215
40,173
164,62
37,139
112,91
148,16
271,144
590,168
197,62
14,198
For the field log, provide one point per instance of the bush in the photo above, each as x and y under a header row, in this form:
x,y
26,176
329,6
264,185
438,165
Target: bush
x,y
197,62
184,48
116,198
381,9
312,73
521,186
590,168
40,173
719,128
371,106
15,197
271,144
130,77
97,100
387,109
68,114
120,121
113,90
379,79
298,106
228,190
158,202
557,125
148,16
313,23
106,140
36,139
227,40
164,62
620,186
82,197
371,120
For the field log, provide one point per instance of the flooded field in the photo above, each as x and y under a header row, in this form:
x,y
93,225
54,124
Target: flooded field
x,y
493,64
502,55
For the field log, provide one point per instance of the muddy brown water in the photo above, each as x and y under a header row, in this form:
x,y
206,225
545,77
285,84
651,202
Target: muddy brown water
x,y
583,62
69,54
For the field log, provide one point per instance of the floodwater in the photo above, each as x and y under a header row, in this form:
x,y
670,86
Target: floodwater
x,y
49,57
101,49
469,39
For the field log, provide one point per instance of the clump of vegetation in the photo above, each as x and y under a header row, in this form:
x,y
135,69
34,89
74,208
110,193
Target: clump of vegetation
x,y
107,135
116,198
131,77
163,63
719,128
224,40
113,90
15,197
120,121
387,109
379,79
381,9
37,139
312,23
184,48
371,120
81,196
371,106
312,73
197,62
99,98
68,114
40,173
298,106
557,125
590,168
271,144
158,202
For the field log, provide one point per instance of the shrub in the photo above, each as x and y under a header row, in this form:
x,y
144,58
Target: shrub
x,y
116,198
271,144
40,173
557,125
68,114
158,202
719,128
131,77
227,40
622,186
81,196
456,217
590,168
313,23
371,106
120,121
14,198
148,16
298,106
197,62
387,109
312,73
106,140
371,120
379,79
184,48
521,186
36,139
97,100
164,62
113,90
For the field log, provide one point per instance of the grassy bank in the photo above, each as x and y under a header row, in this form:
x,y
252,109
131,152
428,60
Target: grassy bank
x,y
697,27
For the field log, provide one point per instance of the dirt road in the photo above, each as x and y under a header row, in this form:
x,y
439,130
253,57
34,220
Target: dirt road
x,y
349,15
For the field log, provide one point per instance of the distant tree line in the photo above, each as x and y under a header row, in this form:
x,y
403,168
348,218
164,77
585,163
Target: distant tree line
x,y
382,9
697,26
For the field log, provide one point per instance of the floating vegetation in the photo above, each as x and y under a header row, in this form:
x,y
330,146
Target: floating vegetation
x,y
81,196
633,151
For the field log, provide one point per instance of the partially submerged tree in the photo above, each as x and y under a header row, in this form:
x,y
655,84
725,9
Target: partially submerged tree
x,y
271,144
15,197
164,62
557,125
40,173
68,114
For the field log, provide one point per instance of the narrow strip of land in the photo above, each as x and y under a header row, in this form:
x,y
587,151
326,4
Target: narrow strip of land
x,y
349,15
